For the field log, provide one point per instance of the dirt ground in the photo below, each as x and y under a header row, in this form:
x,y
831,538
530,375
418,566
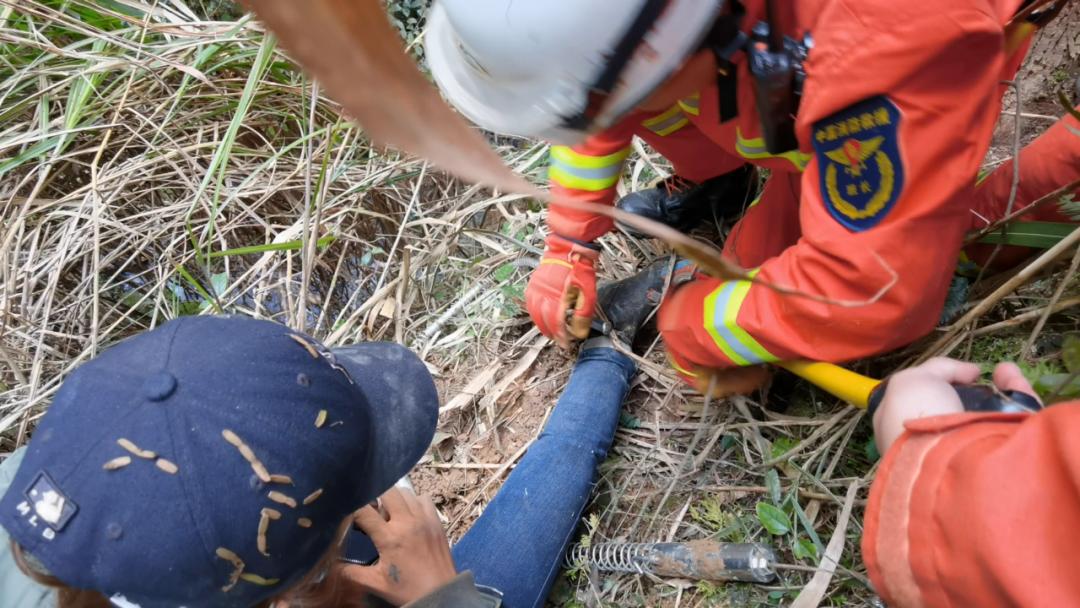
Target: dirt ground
x,y
459,475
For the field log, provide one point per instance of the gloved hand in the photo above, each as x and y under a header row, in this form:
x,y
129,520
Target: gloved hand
x,y
724,382
693,363
564,281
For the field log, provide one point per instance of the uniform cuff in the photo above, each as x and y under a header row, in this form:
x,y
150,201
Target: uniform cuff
x,y
900,533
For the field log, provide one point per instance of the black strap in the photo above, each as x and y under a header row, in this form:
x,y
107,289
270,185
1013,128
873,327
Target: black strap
x,y
725,40
618,60
728,91
587,244
874,401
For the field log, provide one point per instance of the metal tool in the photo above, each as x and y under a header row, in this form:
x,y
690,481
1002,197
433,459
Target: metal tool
x,y
695,560
864,392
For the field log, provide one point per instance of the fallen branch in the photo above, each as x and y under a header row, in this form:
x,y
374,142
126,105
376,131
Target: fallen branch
x,y
1065,281
1025,317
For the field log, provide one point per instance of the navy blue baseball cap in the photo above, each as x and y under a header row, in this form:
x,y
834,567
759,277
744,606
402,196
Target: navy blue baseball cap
x,y
212,461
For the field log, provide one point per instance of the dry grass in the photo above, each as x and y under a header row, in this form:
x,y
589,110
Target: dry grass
x,y
155,164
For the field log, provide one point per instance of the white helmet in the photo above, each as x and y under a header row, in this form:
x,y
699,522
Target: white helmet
x,y
555,69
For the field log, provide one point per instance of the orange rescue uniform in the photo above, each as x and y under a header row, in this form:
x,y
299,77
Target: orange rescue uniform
x,y
897,113
978,510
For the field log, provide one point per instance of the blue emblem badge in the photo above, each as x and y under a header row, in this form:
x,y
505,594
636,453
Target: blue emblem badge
x,y
859,162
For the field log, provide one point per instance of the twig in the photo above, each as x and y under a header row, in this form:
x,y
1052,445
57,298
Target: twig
x,y
809,494
688,458
1025,317
1015,187
814,591
399,297
709,259
1070,274
308,255
1022,277
1052,197
404,223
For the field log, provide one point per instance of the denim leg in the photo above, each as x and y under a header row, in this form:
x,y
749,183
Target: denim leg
x,y
518,543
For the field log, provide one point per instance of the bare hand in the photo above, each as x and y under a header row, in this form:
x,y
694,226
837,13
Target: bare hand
x,y
927,390
414,555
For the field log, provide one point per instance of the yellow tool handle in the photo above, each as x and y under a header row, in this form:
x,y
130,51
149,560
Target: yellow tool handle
x,y
843,383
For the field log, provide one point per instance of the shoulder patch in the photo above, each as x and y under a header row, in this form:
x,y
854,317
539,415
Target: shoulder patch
x,y
859,163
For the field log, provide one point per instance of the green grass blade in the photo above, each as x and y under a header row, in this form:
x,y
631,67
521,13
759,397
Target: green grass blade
x,y
286,246
183,272
216,171
1039,235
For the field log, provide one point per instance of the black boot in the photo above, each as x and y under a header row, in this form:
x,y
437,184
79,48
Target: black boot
x,y
626,304
683,204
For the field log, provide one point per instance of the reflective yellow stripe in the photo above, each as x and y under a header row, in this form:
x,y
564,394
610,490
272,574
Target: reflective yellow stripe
x,y
572,169
755,149
568,179
682,370
670,121
566,155
721,321
557,262
673,127
691,105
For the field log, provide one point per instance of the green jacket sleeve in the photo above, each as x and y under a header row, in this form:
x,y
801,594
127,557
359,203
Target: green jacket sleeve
x,y
18,591
461,592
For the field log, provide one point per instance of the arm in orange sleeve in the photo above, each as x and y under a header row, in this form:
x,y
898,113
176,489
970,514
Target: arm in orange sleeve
x,y
589,171
899,106
1046,164
978,510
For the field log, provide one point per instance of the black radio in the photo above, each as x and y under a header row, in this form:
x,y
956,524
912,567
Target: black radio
x,y
776,64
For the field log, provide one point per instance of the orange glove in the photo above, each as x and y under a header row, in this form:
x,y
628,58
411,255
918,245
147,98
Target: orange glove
x,y
565,281
690,365
725,382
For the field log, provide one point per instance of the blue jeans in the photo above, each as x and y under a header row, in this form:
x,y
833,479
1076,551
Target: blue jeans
x,y
518,543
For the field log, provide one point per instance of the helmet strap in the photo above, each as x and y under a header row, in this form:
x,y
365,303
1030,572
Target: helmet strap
x,y
725,40
617,61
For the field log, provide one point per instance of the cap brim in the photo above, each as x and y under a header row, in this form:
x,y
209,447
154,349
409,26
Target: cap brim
x,y
404,406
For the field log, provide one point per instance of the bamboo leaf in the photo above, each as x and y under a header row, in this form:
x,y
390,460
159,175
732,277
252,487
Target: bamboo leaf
x,y
215,173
